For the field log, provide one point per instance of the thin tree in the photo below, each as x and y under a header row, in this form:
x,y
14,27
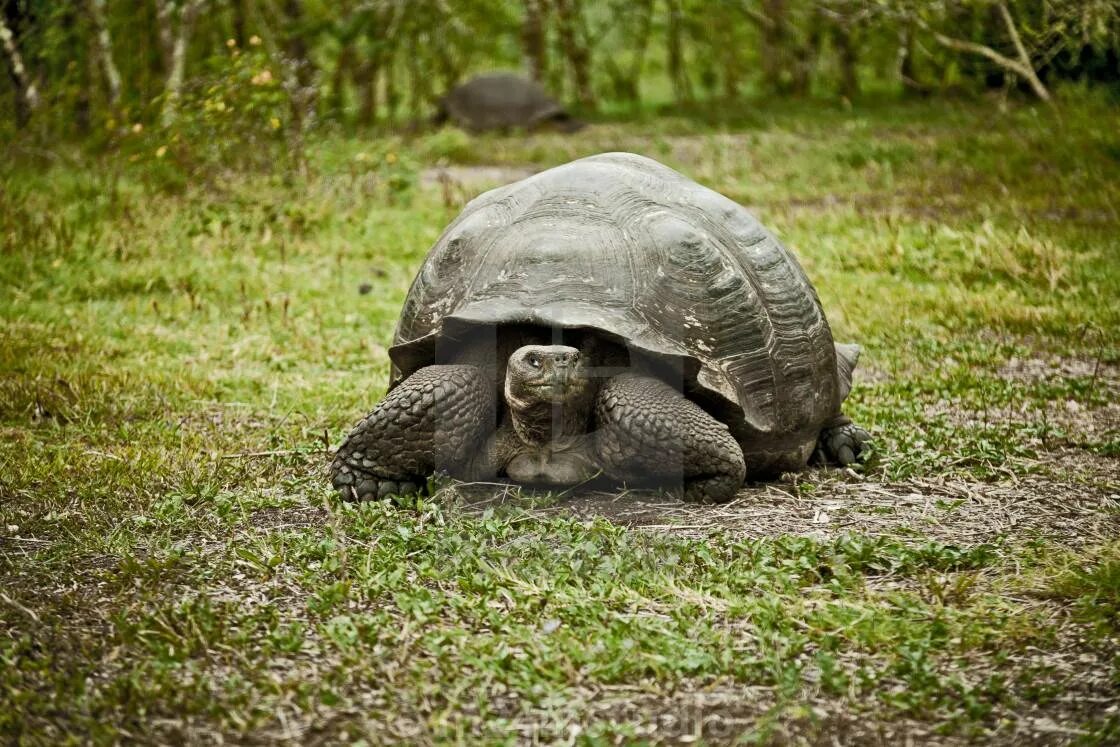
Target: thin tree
x,y
174,43
451,45
1022,66
378,24
346,30
301,70
641,44
241,11
775,36
674,43
533,38
103,47
904,59
631,27
25,86
368,77
844,20
575,50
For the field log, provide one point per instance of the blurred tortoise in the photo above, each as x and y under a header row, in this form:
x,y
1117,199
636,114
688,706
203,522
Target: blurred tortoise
x,y
608,317
502,101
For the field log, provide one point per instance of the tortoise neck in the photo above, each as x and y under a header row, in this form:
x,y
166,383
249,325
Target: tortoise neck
x,y
539,422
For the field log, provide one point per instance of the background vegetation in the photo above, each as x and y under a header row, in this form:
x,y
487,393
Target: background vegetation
x,y
200,271
96,67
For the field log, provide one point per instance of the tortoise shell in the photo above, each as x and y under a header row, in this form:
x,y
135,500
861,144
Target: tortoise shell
x,y
501,101
622,244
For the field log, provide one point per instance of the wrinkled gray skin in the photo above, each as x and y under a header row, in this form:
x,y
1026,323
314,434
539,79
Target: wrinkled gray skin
x,y
503,101
608,319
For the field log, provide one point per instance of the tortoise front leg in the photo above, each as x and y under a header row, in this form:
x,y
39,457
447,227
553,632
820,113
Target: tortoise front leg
x,y
647,432
434,419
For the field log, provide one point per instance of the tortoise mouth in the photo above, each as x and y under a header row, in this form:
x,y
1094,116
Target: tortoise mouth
x,y
555,391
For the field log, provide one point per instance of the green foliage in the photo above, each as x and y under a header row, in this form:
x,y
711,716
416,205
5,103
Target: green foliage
x,y
233,117
388,62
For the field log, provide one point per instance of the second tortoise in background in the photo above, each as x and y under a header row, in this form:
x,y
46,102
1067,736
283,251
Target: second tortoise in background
x,y
503,101
608,316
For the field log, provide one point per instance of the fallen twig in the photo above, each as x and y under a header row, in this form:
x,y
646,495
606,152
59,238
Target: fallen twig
x,y
30,613
26,539
276,452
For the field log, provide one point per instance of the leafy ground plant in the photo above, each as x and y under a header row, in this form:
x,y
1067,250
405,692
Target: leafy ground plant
x,y
176,359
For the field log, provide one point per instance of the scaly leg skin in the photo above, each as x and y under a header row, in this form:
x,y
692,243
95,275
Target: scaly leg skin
x,y
841,443
434,419
648,431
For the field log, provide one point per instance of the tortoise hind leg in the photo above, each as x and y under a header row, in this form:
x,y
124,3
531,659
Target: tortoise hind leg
x,y
434,419
648,433
841,443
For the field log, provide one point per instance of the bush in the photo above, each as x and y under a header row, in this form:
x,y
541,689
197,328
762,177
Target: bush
x,y
236,116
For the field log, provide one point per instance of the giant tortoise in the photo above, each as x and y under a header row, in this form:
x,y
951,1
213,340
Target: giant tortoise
x,y
502,101
608,319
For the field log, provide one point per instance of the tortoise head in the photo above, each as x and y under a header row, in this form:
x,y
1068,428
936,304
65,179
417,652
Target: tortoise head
x,y
549,393
545,374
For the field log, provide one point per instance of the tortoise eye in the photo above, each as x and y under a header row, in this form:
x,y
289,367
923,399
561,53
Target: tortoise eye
x,y
533,360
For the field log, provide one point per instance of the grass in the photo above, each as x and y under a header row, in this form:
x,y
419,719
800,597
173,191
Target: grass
x,y
177,352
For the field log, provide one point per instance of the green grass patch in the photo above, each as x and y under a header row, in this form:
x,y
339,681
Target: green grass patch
x,y
177,355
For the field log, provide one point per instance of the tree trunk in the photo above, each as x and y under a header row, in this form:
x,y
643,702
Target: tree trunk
x,y
533,39
83,102
379,33
730,76
417,80
575,50
187,15
634,92
444,39
301,72
346,32
682,87
392,98
342,69
165,28
905,58
27,94
1024,58
803,59
104,47
1021,67
241,11
848,58
773,48
367,80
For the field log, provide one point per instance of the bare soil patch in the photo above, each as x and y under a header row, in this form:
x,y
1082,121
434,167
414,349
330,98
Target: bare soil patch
x,y
474,177
1082,511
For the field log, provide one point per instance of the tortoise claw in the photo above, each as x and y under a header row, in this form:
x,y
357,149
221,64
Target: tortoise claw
x,y
362,488
842,445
